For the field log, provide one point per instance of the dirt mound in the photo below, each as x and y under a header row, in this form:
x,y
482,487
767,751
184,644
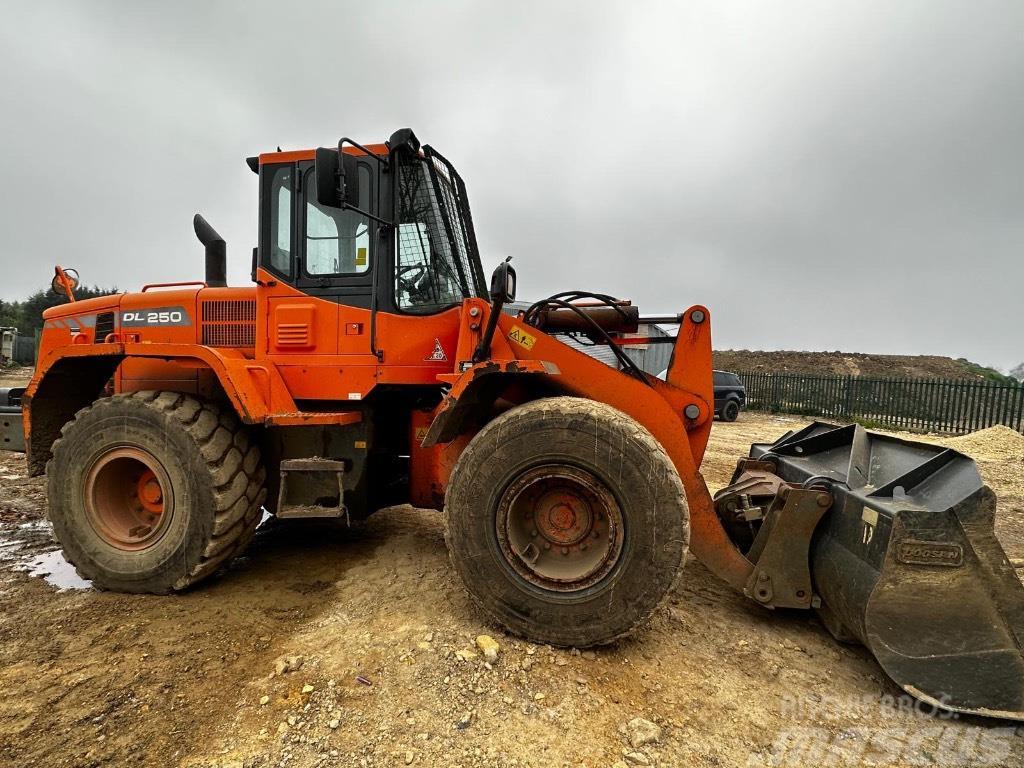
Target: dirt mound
x,y
850,364
998,443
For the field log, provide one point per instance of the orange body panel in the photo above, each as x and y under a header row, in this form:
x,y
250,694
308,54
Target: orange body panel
x,y
657,405
306,350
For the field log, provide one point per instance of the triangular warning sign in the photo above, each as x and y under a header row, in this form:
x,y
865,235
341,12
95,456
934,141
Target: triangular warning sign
x,y
438,355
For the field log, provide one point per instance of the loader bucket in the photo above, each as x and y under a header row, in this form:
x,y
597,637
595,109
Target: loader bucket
x,y
907,562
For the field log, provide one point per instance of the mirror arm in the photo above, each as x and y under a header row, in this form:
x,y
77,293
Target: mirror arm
x,y
362,149
483,349
383,222
500,294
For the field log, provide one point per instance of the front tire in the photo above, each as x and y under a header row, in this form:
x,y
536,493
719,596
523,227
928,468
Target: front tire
x,y
566,521
153,491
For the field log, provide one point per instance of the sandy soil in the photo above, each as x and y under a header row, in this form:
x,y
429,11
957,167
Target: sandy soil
x,y
14,376
355,647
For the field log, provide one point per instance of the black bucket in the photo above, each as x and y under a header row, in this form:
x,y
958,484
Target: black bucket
x,y
907,562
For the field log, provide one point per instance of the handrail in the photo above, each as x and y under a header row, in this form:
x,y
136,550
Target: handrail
x,y
173,285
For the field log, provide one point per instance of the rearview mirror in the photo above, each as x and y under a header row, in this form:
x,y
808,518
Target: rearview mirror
x,y
503,283
337,179
58,286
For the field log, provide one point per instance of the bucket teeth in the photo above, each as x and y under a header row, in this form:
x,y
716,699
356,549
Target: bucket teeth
x,y
907,562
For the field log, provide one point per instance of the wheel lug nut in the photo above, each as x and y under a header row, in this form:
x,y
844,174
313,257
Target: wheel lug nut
x,y
596,535
546,545
533,532
583,546
565,550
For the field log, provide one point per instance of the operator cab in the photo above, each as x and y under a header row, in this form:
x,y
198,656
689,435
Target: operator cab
x,y
385,227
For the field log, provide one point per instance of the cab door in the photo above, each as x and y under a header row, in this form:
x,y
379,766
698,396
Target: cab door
x,y
317,327
297,325
337,256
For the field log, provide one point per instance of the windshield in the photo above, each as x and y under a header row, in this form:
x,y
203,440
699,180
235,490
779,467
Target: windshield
x,y
438,264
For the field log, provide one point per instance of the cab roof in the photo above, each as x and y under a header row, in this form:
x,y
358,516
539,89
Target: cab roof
x,y
296,155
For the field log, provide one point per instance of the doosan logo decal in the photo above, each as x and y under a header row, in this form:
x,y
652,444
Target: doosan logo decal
x,y
438,355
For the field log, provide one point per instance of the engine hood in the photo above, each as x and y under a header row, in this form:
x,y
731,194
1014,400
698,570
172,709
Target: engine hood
x,y
84,308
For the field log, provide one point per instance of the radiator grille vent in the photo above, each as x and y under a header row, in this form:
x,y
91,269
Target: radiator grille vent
x,y
229,323
229,311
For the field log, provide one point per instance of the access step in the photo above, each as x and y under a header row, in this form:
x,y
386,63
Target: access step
x,y
312,487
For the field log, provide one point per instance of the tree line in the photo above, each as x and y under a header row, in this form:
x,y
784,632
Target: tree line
x,y
27,315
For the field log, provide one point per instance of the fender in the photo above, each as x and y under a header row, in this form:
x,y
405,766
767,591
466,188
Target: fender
x,y
680,418
474,392
71,377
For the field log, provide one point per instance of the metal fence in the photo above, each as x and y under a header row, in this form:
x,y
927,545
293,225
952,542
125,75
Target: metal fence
x,y
933,405
24,350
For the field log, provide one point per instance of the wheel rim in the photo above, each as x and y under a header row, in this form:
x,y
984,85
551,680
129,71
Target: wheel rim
x,y
128,499
560,528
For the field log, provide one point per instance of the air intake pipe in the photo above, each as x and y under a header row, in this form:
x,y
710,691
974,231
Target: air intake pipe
x,y
216,252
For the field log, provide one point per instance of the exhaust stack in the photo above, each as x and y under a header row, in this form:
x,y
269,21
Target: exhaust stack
x,y
216,252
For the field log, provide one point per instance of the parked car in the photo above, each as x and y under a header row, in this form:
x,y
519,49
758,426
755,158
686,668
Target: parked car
x,y
730,395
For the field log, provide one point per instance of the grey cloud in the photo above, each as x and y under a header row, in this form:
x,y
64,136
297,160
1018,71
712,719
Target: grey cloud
x,y
822,176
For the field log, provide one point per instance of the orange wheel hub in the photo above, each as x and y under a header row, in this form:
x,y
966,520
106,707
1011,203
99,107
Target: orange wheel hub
x,y
126,498
560,528
150,493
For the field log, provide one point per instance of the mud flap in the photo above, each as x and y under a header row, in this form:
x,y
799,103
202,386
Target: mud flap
x,y
907,562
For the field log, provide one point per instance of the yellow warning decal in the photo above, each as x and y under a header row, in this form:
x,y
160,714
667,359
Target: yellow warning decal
x,y
421,434
361,257
522,338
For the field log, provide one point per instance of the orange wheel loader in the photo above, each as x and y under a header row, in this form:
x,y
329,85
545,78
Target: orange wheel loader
x,y
371,363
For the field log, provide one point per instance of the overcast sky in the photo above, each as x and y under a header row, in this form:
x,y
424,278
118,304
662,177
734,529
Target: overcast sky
x,y
822,175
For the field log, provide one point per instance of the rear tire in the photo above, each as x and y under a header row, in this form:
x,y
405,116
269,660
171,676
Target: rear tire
x,y
594,486
730,411
153,491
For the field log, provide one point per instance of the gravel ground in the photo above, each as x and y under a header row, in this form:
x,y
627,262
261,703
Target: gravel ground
x,y
359,647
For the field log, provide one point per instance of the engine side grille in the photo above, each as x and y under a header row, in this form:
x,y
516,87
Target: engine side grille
x,y
104,326
229,323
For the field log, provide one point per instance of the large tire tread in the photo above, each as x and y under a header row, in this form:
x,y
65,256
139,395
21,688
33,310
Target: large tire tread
x,y
660,472
230,457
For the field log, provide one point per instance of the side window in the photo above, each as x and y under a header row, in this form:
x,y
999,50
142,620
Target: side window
x,y
337,241
281,220
721,379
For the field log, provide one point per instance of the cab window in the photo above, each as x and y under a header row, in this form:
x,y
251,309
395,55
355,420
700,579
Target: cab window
x,y
281,220
430,274
337,241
